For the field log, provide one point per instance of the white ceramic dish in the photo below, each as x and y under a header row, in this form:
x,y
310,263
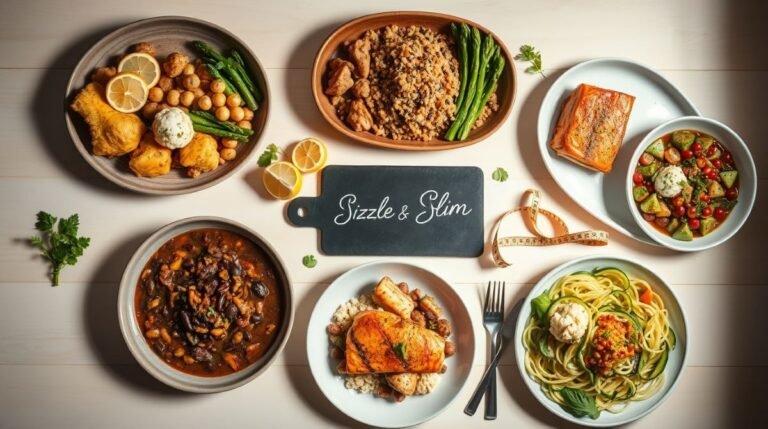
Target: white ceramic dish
x,y
134,337
364,407
656,101
747,182
677,357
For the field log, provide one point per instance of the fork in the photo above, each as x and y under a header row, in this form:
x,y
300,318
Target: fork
x,y
493,318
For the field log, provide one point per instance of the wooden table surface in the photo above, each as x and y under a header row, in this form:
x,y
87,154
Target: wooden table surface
x,y
63,362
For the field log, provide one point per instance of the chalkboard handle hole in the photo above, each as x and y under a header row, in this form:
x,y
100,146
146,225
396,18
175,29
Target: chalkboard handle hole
x,y
302,212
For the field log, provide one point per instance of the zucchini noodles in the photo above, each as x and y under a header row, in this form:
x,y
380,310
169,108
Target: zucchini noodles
x,y
621,356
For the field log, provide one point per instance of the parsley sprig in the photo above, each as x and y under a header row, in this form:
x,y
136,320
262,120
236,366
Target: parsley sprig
x,y
500,175
59,243
530,54
270,155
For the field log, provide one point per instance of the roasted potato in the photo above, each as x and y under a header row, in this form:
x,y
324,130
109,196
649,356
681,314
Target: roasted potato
x,y
200,154
389,296
150,159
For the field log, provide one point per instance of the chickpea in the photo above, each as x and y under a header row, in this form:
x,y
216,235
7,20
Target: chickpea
x,y
165,83
202,71
198,92
102,75
150,109
191,81
236,113
156,94
145,47
218,99
234,100
228,154
175,63
187,97
245,124
162,106
248,114
229,143
218,86
204,103
222,113
172,97
188,69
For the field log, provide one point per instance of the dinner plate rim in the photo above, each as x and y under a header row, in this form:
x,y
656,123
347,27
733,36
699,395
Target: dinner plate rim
x,y
314,361
543,141
683,342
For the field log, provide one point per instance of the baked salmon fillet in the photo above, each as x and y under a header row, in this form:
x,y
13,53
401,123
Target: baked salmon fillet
x,y
379,342
592,126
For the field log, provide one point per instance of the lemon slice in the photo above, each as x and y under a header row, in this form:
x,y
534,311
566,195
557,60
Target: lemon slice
x,y
127,92
309,155
142,64
282,180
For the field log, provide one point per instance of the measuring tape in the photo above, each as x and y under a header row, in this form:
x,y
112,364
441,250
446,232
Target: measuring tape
x,y
530,211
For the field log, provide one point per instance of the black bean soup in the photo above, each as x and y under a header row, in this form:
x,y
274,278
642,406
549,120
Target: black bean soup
x,y
208,302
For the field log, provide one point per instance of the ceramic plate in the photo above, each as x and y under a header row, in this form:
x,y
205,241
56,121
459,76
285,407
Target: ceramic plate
x,y
677,357
167,34
364,407
656,101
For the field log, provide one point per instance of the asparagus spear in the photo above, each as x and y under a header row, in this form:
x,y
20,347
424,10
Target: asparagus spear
x,y
207,51
488,50
475,44
497,67
228,87
240,86
218,132
460,35
205,118
247,77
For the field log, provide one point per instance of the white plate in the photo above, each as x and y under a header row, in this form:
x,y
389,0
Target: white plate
x,y
656,101
366,408
677,321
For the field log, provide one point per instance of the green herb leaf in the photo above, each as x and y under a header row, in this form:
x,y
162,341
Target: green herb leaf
x,y
400,350
530,54
61,246
579,403
309,261
500,175
269,156
540,305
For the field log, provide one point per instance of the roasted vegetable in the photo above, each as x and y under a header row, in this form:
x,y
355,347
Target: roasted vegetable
x,y
391,298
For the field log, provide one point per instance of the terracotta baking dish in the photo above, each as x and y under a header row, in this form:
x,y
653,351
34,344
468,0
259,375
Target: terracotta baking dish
x,y
437,21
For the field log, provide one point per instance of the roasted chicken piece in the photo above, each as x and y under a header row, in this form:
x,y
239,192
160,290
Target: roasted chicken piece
x,y
391,298
592,125
150,159
360,52
201,154
404,383
341,77
362,88
112,133
380,342
359,118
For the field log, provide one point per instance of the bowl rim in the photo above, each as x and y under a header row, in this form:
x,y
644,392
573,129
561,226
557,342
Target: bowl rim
x,y
525,313
733,228
318,96
82,149
126,320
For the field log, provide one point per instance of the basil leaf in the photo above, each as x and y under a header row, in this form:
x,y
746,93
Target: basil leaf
x,y
579,403
540,305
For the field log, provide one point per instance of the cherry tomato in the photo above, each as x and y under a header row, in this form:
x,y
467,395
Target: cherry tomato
x,y
687,154
711,150
637,178
692,212
706,212
731,194
646,159
701,163
678,201
704,197
696,147
717,163
649,217
650,187
719,214
672,155
727,157
706,170
694,223
662,222
678,211
712,175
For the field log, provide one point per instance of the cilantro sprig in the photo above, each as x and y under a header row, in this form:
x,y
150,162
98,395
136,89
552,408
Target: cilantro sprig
x,y
309,261
500,175
270,155
530,54
60,243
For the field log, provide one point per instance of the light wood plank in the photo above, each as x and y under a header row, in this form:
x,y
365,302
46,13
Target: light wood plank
x,y
688,34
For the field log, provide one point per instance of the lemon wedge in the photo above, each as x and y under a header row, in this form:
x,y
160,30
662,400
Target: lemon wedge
x,y
127,92
143,65
282,180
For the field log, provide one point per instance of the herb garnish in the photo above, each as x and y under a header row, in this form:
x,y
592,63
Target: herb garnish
x,y
530,54
61,246
269,156
579,403
500,175
540,305
309,261
400,350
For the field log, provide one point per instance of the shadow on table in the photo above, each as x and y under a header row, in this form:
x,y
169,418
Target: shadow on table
x,y
47,109
102,327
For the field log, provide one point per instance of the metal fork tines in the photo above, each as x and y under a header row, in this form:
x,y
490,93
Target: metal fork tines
x,y
493,318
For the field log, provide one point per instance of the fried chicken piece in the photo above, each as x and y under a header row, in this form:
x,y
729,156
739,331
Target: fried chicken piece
x,y
145,47
360,52
174,64
102,75
112,133
150,159
362,88
341,77
201,154
359,118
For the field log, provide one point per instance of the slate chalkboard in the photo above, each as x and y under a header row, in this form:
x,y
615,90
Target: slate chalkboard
x,y
392,210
